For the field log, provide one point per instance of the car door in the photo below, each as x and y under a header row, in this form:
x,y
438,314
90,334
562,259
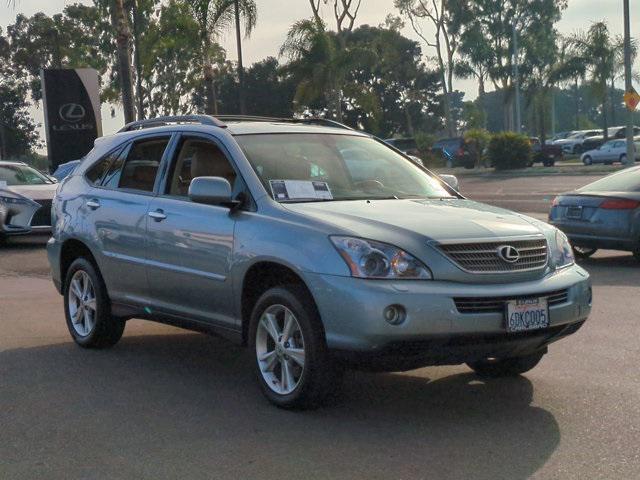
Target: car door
x,y
119,208
189,244
604,152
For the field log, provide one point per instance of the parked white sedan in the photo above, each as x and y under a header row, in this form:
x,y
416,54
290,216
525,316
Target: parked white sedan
x,y
612,151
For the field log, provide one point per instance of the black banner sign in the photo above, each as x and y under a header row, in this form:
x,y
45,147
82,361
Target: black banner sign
x,y
71,113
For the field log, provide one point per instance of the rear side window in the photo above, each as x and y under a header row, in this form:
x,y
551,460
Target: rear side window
x,y
95,174
139,169
623,181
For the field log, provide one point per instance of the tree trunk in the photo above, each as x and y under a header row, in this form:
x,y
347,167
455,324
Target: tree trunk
x,y
543,129
407,116
612,101
605,107
136,59
123,35
211,102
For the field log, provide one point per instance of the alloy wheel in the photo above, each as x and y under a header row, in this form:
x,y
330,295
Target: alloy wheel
x,y
82,303
280,349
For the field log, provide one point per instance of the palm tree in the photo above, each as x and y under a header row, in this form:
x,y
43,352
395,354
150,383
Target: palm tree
x,y
213,18
322,60
601,53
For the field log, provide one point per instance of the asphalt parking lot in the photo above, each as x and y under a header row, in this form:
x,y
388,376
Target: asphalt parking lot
x,y
165,403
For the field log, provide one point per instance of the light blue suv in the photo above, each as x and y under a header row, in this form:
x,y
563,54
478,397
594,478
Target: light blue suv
x,y
317,245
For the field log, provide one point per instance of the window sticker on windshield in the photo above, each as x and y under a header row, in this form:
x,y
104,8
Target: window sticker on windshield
x,y
300,190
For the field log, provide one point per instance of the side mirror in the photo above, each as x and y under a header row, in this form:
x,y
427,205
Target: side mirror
x,y
212,191
450,180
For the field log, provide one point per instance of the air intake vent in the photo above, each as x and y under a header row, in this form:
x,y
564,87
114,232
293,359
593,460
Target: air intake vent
x,y
497,304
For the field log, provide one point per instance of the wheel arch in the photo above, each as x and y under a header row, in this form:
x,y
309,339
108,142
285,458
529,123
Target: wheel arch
x,y
70,250
260,277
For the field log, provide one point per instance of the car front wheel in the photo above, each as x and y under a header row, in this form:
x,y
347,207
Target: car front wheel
x,y
87,307
506,367
584,252
587,160
292,363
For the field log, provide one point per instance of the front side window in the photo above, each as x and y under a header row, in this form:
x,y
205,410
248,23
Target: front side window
x,y
21,175
198,158
351,167
139,169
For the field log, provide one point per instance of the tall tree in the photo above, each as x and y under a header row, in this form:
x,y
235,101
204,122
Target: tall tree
x,y
440,15
487,32
213,18
601,53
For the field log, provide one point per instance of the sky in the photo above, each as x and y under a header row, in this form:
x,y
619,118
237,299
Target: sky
x,y
276,16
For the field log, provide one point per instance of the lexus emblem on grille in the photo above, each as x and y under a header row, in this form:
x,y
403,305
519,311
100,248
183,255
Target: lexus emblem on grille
x,y
508,253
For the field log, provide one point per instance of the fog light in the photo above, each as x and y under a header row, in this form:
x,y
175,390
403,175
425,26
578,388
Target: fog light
x,y
395,314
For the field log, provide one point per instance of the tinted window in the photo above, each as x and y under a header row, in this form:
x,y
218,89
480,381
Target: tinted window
x,y
198,158
138,170
96,172
623,181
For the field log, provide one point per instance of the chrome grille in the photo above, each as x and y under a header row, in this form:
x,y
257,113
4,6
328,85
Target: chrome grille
x,y
483,257
496,304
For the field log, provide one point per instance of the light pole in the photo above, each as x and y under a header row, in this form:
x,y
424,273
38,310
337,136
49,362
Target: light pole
x,y
628,87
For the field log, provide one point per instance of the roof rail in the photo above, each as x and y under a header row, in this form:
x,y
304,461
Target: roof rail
x,y
161,121
311,120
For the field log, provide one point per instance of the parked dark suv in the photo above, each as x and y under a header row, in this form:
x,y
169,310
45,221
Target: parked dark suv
x,y
454,152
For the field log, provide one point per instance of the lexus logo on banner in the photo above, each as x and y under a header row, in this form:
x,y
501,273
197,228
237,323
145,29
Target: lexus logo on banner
x,y
71,100
72,112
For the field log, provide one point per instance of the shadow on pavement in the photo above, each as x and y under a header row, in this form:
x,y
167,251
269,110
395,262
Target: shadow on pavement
x,y
187,406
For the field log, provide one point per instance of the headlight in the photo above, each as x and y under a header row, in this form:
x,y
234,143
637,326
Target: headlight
x,y
563,253
370,259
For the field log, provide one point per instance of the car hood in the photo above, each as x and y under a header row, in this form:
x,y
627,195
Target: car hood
x,y
439,220
35,192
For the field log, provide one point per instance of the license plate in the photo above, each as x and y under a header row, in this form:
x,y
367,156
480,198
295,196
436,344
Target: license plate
x,y
527,314
574,212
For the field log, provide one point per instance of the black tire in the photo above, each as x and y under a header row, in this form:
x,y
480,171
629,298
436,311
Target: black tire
x,y
623,159
320,377
636,254
587,160
506,367
583,252
549,163
106,330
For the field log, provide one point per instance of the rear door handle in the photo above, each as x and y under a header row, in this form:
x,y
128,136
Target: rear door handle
x,y
93,204
157,215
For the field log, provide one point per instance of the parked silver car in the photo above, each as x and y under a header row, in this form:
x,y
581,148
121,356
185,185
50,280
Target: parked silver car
x,y
609,152
25,200
261,230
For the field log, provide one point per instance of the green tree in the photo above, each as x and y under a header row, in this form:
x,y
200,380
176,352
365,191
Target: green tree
x,y
213,18
399,94
18,134
602,54
487,30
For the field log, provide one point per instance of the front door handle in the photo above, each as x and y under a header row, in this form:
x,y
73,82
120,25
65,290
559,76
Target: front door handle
x,y
93,204
157,215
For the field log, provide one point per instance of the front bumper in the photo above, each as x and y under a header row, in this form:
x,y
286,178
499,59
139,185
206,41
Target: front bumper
x,y
352,309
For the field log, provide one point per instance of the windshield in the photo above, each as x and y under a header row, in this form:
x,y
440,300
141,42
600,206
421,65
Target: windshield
x,y
622,181
308,167
21,175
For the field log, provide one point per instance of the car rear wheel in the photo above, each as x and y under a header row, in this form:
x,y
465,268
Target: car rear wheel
x,y
506,367
584,252
623,158
292,364
87,307
587,160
